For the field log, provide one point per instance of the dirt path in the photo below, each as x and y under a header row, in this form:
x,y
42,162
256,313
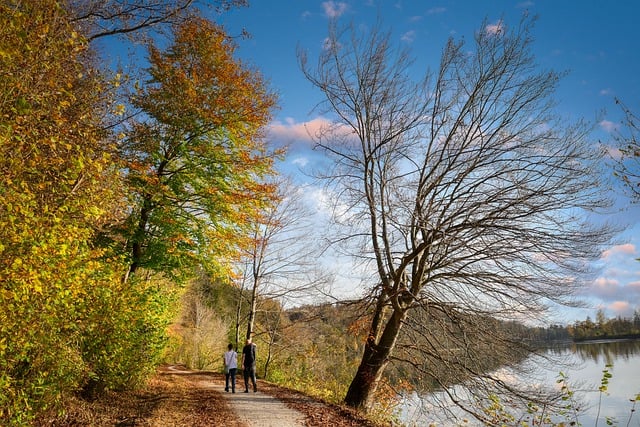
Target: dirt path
x,y
254,409
178,397
261,410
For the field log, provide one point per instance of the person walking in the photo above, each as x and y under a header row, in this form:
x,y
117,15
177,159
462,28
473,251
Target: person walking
x,y
249,365
230,367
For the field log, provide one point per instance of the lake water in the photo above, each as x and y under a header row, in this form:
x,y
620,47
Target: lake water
x,y
583,366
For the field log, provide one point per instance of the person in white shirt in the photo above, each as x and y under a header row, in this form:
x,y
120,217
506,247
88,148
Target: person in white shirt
x,y
230,368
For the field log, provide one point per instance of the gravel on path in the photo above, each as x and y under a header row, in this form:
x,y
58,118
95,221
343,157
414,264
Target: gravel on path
x,y
260,409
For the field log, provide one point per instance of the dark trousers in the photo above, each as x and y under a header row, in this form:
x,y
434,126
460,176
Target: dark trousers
x,y
249,372
230,375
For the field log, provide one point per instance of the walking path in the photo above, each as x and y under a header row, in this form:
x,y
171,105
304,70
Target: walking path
x,y
204,391
260,409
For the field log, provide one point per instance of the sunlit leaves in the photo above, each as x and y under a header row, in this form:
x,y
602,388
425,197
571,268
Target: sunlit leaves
x,y
59,187
196,160
193,163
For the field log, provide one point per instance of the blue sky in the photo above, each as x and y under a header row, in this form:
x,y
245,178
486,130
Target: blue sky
x,y
596,42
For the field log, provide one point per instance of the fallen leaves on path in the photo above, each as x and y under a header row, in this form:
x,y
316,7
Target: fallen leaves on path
x,y
168,400
179,398
318,414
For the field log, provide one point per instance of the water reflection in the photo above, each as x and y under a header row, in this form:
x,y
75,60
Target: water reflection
x,y
607,352
603,351
590,359
585,363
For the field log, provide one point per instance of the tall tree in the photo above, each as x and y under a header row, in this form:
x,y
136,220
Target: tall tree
x,y
196,160
463,192
279,261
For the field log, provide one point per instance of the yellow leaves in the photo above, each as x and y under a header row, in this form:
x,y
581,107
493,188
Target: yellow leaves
x,y
44,31
63,249
119,110
117,80
94,213
58,186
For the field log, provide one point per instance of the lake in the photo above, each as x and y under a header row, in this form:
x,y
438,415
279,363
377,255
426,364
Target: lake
x,y
583,365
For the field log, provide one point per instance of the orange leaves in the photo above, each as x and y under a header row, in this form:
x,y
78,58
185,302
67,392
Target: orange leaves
x,y
200,79
360,326
197,161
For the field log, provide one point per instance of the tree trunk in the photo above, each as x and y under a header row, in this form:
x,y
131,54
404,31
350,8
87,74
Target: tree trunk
x,y
137,244
252,309
374,360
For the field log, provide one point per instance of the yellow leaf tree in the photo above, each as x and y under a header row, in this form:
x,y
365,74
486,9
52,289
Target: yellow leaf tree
x,y
66,321
195,156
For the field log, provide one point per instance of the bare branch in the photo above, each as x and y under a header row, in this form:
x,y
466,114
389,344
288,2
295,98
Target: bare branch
x,y
465,191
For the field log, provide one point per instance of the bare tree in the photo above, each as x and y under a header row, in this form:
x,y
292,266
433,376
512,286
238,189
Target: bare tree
x,y
627,167
463,192
280,262
202,332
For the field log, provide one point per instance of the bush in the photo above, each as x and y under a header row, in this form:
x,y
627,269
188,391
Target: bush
x,y
198,339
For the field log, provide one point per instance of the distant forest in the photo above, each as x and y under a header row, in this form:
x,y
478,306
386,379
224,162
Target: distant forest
x,y
588,329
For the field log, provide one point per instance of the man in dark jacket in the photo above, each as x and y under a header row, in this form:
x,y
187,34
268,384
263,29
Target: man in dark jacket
x,y
249,365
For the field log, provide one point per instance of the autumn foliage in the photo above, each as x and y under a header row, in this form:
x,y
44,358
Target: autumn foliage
x,y
73,195
195,156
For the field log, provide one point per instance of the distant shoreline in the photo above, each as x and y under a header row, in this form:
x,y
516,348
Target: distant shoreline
x,y
608,338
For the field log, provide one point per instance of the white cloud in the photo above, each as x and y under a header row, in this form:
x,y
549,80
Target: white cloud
x,y
319,200
409,36
634,287
605,288
436,10
617,295
300,161
291,131
334,9
613,152
608,126
495,29
621,308
327,44
325,203
606,92
525,4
